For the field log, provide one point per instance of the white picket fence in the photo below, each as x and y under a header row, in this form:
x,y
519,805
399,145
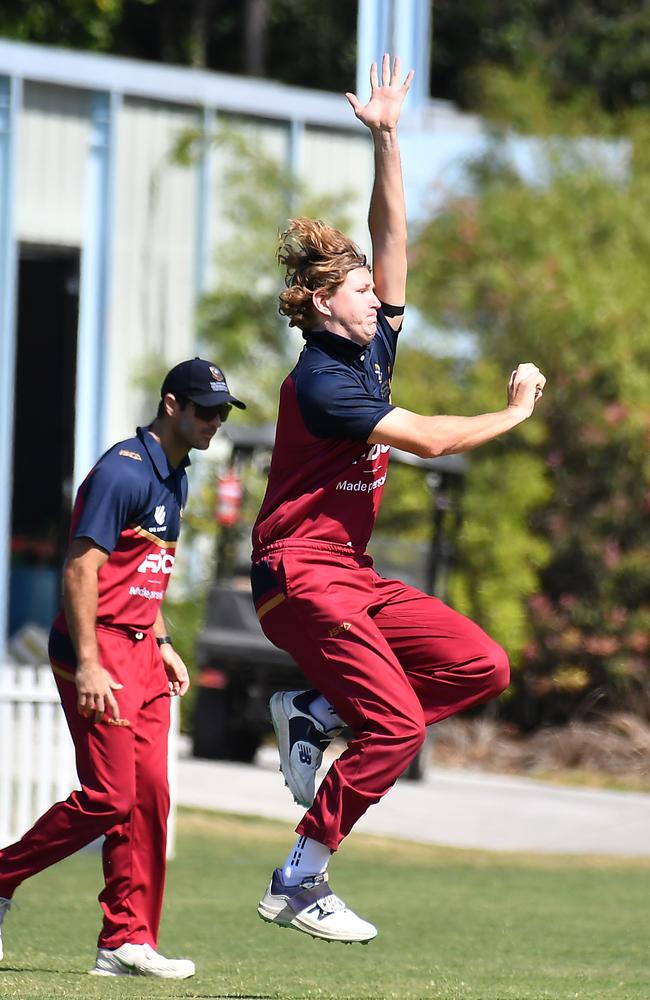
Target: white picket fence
x,y
37,765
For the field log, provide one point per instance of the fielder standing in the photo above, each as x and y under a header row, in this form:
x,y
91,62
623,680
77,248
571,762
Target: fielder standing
x,y
387,659
115,668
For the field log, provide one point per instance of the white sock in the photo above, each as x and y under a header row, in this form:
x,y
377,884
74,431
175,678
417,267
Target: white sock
x,y
323,712
307,857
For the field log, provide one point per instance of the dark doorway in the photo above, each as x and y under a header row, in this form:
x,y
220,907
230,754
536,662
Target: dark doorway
x,y
44,411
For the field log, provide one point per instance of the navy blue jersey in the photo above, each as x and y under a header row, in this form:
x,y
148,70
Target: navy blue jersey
x,y
325,482
131,505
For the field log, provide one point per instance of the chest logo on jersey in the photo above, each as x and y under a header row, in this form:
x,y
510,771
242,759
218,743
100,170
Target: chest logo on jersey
x,y
157,562
371,456
378,372
159,514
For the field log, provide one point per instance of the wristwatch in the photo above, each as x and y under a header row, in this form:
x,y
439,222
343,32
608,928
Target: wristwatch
x,y
162,640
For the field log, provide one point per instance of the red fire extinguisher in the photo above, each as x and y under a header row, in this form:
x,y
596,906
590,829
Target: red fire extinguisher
x,y
229,499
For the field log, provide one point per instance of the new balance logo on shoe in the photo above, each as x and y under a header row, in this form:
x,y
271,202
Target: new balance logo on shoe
x,y
301,741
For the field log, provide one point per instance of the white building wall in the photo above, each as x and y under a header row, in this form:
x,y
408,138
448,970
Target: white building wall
x,y
269,139
340,166
53,138
151,323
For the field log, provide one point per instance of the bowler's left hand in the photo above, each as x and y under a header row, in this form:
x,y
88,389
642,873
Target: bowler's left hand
x,y
179,679
383,109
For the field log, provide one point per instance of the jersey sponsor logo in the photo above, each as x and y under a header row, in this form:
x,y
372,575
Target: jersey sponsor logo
x,y
150,595
125,453
157,562
159,514
373,453
359,487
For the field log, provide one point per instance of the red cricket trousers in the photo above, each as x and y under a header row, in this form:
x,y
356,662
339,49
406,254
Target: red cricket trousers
x,y
124,790
390,659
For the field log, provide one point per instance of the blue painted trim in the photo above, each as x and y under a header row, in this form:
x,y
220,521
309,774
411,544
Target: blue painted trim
x,y
10,102
401,27
296,133
204,205
94,286
175,84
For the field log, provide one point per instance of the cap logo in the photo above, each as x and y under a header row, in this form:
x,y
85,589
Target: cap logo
x,y
216,374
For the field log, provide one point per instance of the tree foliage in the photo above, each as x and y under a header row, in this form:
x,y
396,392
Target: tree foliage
x,y
301,42
596,47
558,274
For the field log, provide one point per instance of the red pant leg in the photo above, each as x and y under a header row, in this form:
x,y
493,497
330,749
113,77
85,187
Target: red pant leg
x,y
324,623
104,758
110,760
134,852
450,662
389,659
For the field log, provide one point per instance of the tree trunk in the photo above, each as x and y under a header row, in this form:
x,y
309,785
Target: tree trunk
x,y
256,19
199,30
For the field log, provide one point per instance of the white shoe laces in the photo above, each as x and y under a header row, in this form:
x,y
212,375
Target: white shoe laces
x,y
331,904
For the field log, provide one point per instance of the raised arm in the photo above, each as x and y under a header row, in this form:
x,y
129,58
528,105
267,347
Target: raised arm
x,y
387,214
430,437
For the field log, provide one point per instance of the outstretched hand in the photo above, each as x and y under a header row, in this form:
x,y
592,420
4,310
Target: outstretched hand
x,y
526,387
384,107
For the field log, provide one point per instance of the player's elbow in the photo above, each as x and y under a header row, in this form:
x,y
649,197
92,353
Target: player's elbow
x,y
430,448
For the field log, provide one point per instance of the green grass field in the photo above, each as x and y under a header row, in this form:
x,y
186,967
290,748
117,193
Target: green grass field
x,y
452,924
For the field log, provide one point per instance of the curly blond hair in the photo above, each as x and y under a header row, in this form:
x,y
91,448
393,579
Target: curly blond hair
x,y
315,256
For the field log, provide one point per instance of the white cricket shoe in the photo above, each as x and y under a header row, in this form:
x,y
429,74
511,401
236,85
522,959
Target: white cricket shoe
x,y
140,960
301,741
4,906
312,907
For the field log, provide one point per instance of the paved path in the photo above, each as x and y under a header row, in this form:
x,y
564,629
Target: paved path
x,y
456,808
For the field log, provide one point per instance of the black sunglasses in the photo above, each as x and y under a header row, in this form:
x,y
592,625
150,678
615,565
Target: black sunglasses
x,y
208,413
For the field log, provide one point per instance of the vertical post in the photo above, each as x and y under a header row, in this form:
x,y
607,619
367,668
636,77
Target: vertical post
x,y
204,189
10,102
372,40
403,28
94,290
294,153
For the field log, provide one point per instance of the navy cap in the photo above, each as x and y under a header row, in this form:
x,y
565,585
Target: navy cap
x,y
200,381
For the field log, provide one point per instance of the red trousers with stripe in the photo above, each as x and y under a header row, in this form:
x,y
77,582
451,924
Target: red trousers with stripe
x,y
390,659
124,791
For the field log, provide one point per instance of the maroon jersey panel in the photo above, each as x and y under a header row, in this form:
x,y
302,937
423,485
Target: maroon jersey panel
x,y
325,481
130,505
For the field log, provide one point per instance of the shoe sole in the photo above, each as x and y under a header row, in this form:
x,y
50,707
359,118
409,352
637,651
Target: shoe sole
x,y
136,972
281,727
271,918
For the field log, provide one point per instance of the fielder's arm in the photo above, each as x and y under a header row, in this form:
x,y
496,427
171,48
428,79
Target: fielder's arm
x,y
430,437
94,684
177,674
387,213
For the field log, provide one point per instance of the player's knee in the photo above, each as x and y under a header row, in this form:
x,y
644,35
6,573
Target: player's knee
x,y
119,807
500,673
111,805
409,735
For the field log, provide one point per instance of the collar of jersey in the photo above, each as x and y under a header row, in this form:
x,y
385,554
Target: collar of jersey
x,y
158,456
335,345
